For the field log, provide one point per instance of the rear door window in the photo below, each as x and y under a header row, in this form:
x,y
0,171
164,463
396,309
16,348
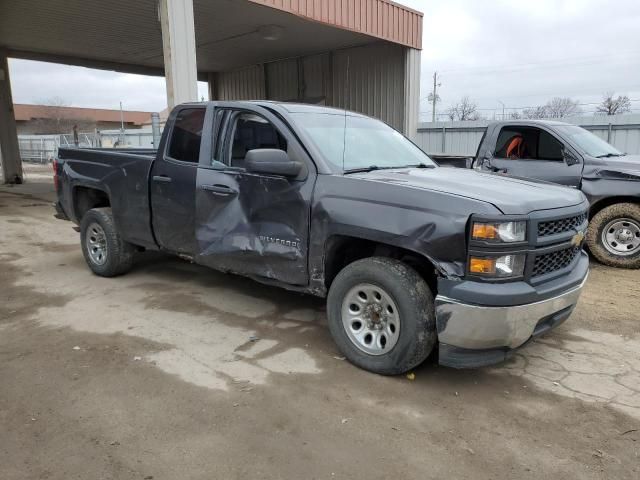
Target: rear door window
x,y
184,144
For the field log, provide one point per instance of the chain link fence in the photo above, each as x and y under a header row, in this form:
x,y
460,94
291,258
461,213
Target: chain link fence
x,y
44,148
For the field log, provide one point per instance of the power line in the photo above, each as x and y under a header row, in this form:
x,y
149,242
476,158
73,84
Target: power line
x,y
633,100
588,60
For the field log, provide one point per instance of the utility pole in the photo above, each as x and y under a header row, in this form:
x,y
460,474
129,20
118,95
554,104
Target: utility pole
x,y
502,108
434,96
122,137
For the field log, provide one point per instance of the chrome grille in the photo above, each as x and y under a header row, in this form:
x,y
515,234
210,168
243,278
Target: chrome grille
x,y
561,225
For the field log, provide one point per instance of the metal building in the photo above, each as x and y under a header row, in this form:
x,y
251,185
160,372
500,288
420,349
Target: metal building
x,y
362,55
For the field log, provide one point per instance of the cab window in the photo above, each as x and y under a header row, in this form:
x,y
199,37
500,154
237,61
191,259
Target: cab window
x,y
184,144
249,132
549,148
527,143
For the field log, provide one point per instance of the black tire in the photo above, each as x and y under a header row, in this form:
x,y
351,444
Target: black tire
x,y
118,257
414,300
597,225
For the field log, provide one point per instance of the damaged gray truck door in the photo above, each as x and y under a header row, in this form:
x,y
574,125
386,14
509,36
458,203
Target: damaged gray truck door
x,y
252,215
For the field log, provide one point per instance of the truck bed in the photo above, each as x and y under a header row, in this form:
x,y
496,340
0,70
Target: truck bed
x,y
122,174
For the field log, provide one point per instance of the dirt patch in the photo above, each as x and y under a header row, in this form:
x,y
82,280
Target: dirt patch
x,y
17,301
54,247
611,300
180,372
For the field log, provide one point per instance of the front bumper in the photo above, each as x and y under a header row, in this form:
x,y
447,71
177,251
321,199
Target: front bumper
x,y
472,335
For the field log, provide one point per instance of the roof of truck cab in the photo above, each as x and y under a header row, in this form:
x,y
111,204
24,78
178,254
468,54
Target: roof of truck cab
x,y
292,107
289,107
530,122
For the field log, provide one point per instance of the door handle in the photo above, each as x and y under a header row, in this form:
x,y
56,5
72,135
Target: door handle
x,y
220,190
161,178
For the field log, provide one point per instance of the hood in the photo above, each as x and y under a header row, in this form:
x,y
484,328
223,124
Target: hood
x,y
615,168
512,196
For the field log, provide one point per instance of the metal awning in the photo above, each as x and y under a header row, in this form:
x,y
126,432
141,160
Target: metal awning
x,y
126,36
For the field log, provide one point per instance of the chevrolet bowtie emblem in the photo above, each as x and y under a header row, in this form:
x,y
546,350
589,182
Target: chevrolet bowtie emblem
x,y
577,239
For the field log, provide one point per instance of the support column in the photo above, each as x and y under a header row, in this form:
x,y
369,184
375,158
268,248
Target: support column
x,y
179,48
212,81
9,150
411,92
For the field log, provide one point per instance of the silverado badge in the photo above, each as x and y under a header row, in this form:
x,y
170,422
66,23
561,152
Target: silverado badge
x,y
577,239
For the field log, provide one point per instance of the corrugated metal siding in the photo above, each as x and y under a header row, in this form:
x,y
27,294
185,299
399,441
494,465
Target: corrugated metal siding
x,y
369,79
626,140
456,141
463,138
282,80
379,18
244,84
316,77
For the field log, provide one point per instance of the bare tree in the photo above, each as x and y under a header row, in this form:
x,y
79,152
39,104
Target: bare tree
x,y
534,112
464,110
58,119
614,106
560,107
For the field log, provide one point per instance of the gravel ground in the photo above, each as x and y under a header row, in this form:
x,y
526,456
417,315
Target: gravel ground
x,y
175,371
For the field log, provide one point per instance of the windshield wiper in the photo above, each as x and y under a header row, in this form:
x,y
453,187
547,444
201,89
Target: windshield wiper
x,y
609,155
421,165
371,168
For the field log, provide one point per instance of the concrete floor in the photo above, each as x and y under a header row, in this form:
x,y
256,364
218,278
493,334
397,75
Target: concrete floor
x,y
155,375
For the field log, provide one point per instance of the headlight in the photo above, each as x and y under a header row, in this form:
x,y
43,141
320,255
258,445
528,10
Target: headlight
x,y
503,232
506,266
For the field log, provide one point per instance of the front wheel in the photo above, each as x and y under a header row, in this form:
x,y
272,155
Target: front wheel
x,y
614,235
381,315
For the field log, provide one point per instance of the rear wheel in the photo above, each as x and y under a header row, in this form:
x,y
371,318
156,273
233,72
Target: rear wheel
x,y
381,315
104,250
614,235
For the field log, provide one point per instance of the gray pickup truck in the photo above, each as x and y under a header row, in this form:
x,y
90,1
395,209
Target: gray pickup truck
x,y
339,205
570,155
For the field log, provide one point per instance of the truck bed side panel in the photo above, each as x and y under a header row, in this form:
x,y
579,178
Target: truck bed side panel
x,y
123,176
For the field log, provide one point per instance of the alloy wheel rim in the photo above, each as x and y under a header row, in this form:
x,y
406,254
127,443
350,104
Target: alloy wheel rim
x,y
371,319
622,236
96,242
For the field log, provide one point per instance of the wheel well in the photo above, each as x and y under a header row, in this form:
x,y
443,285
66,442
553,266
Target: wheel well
x,y
607,202
343,250
85,198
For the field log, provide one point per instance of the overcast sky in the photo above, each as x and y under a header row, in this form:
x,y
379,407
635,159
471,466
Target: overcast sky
x,y
520,53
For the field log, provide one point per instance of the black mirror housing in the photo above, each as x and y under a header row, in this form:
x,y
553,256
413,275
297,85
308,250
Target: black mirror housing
x,y
272,161
569,158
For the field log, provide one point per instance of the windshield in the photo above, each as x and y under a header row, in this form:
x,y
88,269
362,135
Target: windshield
x,y
367,143
588,142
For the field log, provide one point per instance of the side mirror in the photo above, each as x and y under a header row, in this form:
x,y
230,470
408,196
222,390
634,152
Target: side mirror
x,y
271,162
569,157
485,163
